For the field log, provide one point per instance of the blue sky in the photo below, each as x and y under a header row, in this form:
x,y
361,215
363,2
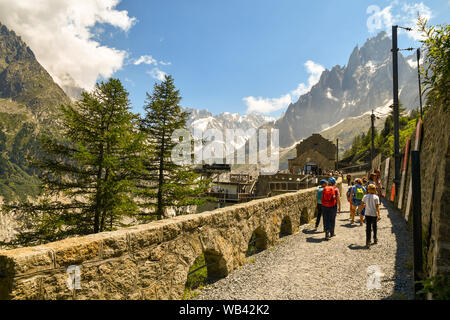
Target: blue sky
x,y
233,55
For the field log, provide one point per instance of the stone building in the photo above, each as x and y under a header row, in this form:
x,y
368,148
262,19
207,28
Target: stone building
x,y
314,154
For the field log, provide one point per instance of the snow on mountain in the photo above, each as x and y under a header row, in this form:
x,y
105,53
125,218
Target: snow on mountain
x,y
204,120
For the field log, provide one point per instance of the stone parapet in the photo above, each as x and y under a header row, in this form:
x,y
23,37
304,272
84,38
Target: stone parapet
x,y
150,261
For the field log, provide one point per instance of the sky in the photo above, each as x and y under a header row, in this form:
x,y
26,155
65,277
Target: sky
x,y
225,56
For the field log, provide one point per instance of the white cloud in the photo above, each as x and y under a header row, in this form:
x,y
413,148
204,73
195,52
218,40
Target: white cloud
x,y
379,18
269,105
397,13
146,59
411,11
61,33
315,70
157,74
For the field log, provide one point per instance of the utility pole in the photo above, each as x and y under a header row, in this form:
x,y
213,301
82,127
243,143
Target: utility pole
x,y
372,149
396,109
337,154
420,86
397,156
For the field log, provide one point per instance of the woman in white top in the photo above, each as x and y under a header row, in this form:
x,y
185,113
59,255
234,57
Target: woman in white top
x,y
371,202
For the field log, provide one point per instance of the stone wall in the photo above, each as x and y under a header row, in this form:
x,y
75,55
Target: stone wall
x,y
151,261
435,187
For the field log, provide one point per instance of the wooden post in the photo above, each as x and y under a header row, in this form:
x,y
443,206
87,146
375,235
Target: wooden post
x,y
417,221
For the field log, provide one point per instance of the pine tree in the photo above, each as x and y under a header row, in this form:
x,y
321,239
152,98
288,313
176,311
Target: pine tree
x,y
166,184
94,169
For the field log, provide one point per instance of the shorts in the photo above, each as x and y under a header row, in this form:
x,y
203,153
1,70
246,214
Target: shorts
x,y
356,203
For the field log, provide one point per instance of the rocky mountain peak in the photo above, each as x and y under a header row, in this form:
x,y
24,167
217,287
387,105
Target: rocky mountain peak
x,y
376,49
365,83
24,80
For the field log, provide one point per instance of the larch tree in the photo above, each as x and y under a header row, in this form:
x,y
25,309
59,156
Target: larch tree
x,y
166,184
89,175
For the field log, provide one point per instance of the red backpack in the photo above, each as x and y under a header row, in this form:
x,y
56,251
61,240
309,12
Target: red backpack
x,y
329,196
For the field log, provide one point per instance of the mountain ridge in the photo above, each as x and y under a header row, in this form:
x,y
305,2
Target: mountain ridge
x,y
365,83
29,105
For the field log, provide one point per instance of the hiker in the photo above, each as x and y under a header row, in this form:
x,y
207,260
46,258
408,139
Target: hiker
x,y
371,180
378,183
349,179
371,202
356,195
349,199
364,182
323,184
331,204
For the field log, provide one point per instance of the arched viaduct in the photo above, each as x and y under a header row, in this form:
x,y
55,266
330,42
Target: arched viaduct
x,y
151,261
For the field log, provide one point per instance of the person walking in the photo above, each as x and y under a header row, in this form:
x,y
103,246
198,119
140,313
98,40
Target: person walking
x,y
356,195
364,182
331,204
372,178
378,183
348,193
371,202
349,179
323,184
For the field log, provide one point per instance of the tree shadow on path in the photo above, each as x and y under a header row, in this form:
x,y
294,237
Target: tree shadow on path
x,y
403,281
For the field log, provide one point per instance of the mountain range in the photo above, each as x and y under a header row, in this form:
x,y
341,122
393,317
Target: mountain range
x,y
204,120
364,84
338,106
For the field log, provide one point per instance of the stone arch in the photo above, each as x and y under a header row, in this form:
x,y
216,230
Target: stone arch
x,y
304,216
257,242
217,266
286,227
206,268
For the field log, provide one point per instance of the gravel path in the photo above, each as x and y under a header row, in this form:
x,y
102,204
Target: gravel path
x,y
304,266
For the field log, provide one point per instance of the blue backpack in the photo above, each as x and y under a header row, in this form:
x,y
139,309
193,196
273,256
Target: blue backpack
x,y
319,195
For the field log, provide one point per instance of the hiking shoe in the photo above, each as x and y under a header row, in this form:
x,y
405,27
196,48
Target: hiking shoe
x,y
333,235
375,241
368,246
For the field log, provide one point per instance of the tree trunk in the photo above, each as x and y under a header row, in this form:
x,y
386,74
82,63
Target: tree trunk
x,y
98,193
160,209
